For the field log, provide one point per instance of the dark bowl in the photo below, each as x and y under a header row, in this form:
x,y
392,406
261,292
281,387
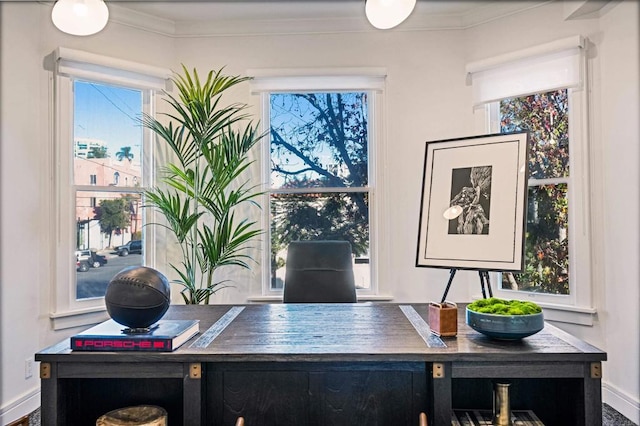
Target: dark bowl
x,y
505,327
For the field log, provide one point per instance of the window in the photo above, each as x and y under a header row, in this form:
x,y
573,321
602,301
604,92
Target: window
x,y
104,152
545,116
319,167
319,180
541,90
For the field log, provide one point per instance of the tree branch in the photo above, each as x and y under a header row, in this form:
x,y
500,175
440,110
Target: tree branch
x,y
335,126
278,140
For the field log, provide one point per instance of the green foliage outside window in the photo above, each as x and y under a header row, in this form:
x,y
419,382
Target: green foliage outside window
x,y
113,215
545,116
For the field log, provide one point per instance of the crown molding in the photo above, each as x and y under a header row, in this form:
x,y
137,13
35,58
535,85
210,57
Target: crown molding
x,y
420,20
497,10
132,18
586,9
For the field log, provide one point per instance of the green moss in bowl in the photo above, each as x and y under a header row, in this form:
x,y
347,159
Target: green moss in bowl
x,y
497,306
505,319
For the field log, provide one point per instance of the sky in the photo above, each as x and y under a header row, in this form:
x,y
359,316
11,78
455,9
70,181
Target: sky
x,y
108,113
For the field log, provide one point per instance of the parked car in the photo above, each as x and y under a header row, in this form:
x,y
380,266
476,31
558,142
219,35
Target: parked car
x,y
83,254
91,257
133,246
82,266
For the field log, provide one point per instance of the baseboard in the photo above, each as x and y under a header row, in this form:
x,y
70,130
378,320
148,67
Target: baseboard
x,y
621,402
20,407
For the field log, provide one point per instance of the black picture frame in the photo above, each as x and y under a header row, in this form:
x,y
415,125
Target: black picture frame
x,y
474,203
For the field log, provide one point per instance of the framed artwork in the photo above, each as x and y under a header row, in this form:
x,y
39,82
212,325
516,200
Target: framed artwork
x,y
473,208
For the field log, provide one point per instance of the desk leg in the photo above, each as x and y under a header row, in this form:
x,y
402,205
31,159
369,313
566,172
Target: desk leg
x,y
51,404
592,388
441,393
192,394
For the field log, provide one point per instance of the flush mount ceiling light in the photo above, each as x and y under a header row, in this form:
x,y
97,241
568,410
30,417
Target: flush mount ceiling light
x,y
385,14
80,17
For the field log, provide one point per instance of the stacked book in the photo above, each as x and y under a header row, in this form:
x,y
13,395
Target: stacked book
x,y
163,336
484,417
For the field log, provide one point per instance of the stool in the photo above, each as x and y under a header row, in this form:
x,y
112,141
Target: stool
x,y
140,415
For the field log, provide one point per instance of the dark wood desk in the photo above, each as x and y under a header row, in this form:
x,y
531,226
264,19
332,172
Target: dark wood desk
x,y
325,364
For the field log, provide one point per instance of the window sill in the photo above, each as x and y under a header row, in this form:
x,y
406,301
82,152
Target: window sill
x,y
570,314
581,315
78,318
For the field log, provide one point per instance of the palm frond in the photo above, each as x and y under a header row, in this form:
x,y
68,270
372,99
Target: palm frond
x,y
211,145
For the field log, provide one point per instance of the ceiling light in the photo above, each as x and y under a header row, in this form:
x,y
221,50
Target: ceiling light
x,y
385,14
80,17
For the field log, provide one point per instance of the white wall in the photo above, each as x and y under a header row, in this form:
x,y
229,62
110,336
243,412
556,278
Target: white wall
x,y
426,99
20,217
26,168
619,95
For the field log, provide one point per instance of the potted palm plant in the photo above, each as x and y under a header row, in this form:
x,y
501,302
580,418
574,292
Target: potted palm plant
x,y
201,190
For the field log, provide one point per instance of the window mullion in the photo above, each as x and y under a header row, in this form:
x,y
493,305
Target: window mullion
x,y
314,190
549,181
114,188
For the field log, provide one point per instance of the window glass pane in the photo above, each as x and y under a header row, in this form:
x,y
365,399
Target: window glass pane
x,y
319,140
545,116
107,138
320,216
546,244
108,235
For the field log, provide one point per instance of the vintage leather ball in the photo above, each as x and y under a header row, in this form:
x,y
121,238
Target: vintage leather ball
x,y
137,296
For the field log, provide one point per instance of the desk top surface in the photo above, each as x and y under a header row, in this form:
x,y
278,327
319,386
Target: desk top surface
x,y
336,333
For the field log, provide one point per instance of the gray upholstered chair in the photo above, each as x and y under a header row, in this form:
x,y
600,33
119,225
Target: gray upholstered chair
x,y
319,272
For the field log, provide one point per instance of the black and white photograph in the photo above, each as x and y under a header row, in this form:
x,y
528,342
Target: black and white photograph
x,y
470,205
473,207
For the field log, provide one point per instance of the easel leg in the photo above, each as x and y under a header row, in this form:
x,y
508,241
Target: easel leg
x,y
484,281
452,273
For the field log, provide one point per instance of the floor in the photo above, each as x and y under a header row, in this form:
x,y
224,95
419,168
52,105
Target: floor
x,y
610,417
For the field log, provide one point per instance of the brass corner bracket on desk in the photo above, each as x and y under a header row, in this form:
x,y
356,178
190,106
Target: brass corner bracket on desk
x,y
195,370
438,370
45,370
596,370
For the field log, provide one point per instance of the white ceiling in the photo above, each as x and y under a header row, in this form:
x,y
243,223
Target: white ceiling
x,y
285,16
291,9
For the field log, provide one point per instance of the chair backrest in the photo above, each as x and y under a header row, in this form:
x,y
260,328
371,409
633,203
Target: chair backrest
x,y
319,272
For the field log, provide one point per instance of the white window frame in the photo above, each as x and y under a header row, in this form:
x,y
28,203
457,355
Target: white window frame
x,y
370,80
71,65
577,306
